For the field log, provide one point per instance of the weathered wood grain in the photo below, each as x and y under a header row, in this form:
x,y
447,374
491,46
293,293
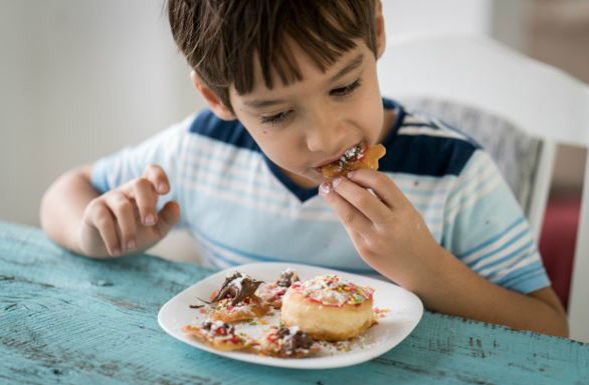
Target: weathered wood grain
x,y
65,319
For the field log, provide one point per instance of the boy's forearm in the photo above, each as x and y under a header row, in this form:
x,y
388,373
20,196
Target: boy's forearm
x,y
452,288
63,205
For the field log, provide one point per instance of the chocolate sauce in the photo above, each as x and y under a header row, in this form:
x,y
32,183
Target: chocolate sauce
x,y
294,343
237,287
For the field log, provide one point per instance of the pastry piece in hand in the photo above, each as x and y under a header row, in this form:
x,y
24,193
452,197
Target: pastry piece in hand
x,y
271,293
219,335
354,159
236,301
287,343
328,307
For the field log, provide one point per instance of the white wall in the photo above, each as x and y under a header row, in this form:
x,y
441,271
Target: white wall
x,y
504,20
82,78
425,17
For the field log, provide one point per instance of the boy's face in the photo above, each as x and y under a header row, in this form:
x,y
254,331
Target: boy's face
x,y
310,123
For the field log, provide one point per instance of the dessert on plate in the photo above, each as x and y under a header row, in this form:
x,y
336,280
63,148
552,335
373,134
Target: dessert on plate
x,y
311,313
236,300
271,293
328,307
220,335
287,343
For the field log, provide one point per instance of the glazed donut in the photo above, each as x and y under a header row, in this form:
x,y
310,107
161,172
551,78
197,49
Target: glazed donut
x,y
354,159
328,307
219,335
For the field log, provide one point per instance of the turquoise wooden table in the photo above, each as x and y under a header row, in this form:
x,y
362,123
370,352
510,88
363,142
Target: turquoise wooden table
x,y
65,319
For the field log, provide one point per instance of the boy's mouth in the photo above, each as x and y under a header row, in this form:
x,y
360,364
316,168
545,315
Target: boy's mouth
x,y
350,154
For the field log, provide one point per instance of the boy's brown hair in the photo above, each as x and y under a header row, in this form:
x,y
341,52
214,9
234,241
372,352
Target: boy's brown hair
x,y
221,38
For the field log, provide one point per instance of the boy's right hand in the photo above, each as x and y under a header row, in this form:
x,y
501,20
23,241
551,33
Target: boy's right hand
x,y
124,220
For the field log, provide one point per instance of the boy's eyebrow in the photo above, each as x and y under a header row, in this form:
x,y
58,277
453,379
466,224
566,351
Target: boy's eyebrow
x,y
258,104
352,65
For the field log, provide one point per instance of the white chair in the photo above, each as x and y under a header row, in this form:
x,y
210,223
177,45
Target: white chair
x,y
542,100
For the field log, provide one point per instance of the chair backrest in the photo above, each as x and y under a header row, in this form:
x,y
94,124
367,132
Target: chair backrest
x,y
541,100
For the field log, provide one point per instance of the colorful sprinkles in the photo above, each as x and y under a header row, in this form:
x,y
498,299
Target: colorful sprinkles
x,y
332,290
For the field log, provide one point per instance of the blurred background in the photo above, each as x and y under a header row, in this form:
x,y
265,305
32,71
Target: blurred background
x,y
80,79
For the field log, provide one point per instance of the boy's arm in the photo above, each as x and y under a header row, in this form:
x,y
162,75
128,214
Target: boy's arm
x,y
63,206
121,221
451,287
392,237
111,207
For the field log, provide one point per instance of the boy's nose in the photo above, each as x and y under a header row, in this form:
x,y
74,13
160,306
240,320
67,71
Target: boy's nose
x,y
326,135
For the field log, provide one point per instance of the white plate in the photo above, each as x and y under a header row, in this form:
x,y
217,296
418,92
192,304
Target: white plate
x,y
405,311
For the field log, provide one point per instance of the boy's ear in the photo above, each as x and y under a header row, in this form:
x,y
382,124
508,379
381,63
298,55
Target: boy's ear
x,y
381,39
211,98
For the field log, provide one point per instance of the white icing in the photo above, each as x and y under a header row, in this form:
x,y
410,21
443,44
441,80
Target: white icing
x,y
333,290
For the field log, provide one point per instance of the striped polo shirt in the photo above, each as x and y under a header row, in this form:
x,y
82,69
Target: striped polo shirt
x,y
241,208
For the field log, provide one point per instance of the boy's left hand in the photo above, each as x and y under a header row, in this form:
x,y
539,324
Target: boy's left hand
x,y
387,231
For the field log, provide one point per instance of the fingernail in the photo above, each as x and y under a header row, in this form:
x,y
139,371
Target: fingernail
x,y
337,181
150,220
116,252
324,188
351,174
131,245
161,188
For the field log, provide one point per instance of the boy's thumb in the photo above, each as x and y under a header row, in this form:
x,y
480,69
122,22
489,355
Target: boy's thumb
x,y
168,217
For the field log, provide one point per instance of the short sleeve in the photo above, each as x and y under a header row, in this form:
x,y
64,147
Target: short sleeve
x,y
164,149
485,228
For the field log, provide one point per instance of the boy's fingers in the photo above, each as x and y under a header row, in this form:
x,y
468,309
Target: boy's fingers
x,y
157,176
353,220
169,217
383,186
145,196
124,212
103,221
371,206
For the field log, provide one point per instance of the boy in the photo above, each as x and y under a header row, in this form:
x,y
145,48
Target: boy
x,y
291,86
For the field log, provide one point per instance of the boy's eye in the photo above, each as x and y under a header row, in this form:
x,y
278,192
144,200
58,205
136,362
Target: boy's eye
x,y
343,91
275,119
282,116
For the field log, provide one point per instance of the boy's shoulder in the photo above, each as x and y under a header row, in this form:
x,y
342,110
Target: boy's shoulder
x,y
422,144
